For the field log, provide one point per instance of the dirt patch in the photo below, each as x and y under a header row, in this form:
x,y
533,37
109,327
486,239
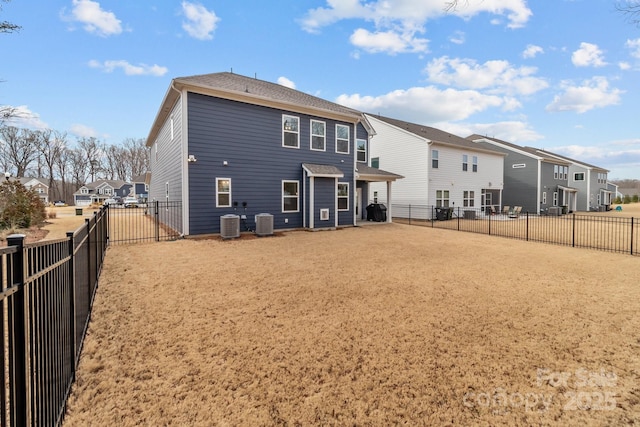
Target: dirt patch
x,y
380,325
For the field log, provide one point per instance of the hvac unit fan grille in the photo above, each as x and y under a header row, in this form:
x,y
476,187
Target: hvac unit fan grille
x,y
229,226
264,224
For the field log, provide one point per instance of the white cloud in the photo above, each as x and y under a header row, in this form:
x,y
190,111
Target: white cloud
x,y
95,19
424,104
592,93
588,55
512,131
286,82
634,46
83,131
129,69
200,22
497,76
388,41
23,117
457,38
624,65
531,51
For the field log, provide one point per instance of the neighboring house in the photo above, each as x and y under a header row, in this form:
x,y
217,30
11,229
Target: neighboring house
x,y
533,180
228,144
594,193
628,191
140,187
39,185
439,169
99,191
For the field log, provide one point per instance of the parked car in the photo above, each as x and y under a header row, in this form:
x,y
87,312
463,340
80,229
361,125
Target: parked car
x,y
110,202
59,203
130,202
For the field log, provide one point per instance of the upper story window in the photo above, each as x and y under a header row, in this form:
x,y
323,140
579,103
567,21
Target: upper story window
x,y
375,162
361,145
578,176
223,192
602,178
84,191
318,135
465,162
290,131
342,139
556,171
343,196
565,172
434,159
474,166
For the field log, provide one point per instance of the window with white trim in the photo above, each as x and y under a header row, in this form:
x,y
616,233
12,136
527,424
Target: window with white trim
x,y
465,162
468,199
442,198
578,176
290,196
434,159
555,198
166,191
361,146
223,192
318,135
84,191
343,196
474,166
544,197
342,139
375,162
290,131
556,171
565,172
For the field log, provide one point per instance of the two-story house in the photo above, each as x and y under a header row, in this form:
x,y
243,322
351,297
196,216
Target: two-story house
x,y
39,185
533,180
439,169
140,186
224,144
593,191
101,190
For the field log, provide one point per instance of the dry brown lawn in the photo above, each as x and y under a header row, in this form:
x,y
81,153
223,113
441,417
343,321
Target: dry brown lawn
x,y
380,325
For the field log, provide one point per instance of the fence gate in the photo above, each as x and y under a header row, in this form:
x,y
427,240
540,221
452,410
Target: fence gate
x,y
153,222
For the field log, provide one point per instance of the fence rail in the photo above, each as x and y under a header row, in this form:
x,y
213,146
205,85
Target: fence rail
x,y
47,295
157,221
593,231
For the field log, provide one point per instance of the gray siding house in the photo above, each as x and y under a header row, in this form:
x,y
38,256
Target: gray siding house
x,y
224,143
537,182
99,191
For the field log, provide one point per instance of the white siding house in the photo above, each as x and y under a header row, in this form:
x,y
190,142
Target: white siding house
x,y
440,169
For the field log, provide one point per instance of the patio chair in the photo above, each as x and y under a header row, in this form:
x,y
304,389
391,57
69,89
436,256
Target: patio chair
x,y
506,210
515,213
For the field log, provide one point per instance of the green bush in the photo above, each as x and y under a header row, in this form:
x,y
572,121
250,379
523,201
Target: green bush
x,y
627,199
617,201
19,207
635,198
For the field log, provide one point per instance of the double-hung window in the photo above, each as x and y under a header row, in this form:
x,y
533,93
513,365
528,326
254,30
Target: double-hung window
x,y
555,198
318,135
342,139
290,131
474,166
468,199
290,196
465,162
544,197
343,196
223,192
434,159
361,145
556,171
578,176
442,198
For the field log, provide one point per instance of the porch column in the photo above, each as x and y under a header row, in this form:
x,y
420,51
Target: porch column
x,y
389,200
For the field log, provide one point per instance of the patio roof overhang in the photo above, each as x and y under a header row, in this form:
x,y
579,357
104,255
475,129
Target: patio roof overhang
x,y
367,173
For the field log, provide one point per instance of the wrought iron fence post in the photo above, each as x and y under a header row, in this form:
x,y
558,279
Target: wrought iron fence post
x,y
631,235
157,220
489,221
573,231
72,304
433,221
458,214
17,335
527,227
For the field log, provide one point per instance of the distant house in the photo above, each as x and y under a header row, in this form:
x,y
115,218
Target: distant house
x,y
99,191
534,180
224,144
39,185
439,169
140,186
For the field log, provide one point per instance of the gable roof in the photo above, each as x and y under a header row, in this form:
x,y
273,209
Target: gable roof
x,y
26,180
141,178
251,91
524,150
436,136
568,159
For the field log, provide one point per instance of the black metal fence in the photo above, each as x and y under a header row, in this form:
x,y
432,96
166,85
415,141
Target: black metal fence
x,y
47,295
589,230
153,222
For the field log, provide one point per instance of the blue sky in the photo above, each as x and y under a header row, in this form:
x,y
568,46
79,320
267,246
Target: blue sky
x,y
560,75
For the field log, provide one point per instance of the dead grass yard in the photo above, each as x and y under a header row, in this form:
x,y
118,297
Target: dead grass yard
x,y
380,325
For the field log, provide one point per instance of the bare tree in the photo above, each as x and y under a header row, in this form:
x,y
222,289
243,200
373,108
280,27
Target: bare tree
x,y
77,166
137,156
631,9
20,148
63,166
92,152
51,144
5,26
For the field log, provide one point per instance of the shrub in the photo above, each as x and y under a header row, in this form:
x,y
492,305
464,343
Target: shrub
x,y
617,201
627,199
19,207
635,198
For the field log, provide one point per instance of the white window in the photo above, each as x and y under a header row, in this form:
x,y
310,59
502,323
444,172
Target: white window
x,y
223,192
290,131
166,191
578,176
318,135
565,173
544,197
434,159
290,196
342,139
555,198
442,198
468,199
146,187
84,191
465,162
475,163
361,145
556,171
343,196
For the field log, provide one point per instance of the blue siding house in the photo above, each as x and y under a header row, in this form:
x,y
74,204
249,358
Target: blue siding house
x,y
224,143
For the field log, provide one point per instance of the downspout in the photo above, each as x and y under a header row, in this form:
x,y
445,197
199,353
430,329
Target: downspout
x,y
538,195
184,164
